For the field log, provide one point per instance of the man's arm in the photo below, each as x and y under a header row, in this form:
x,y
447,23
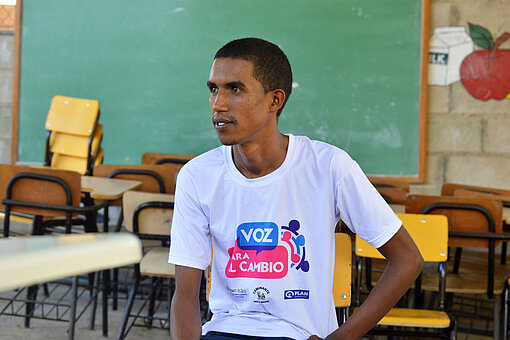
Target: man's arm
x,y
185,321
404,265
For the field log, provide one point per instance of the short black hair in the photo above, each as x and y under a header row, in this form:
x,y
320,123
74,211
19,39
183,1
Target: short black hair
x,y
270,65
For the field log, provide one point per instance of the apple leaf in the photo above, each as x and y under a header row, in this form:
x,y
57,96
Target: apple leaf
x,y
481,36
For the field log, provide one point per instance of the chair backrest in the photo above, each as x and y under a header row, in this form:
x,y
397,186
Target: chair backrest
x,y
73,115
342,274
429,232
151,211
161,158
174,161
154,178
449,189
380,182
75,145
464,214
39,186
393,195
70,163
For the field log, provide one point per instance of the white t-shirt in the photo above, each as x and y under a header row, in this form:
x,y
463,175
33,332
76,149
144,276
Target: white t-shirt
x,y
272,236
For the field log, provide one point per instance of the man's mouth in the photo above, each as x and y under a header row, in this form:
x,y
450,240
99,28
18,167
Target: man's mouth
x,y
221,123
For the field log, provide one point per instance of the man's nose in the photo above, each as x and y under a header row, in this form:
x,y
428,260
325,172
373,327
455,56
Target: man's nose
x,y
219,102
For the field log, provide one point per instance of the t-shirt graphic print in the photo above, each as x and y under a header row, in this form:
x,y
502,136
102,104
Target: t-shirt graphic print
x,y
263,250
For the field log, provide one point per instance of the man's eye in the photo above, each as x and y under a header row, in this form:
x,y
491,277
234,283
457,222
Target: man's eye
x,y
236,90
213,89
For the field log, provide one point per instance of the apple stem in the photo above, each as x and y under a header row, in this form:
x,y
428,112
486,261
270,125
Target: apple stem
x,y
504,37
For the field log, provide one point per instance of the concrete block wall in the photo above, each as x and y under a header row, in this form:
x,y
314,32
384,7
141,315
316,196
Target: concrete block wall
x,y
6,73
468,139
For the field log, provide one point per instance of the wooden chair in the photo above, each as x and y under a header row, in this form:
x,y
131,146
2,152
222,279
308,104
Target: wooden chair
x,y
74,135
42,193
342,275
162,158
448,189
149,216
154,178
39,192
430,233
393,191
506,308
476,224
173,161
461,190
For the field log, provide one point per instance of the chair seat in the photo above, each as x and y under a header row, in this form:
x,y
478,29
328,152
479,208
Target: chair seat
x,y
155,263
415,318
462,284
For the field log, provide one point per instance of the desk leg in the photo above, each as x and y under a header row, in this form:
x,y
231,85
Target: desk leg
x,y
106,282
106,279
95,292
72,317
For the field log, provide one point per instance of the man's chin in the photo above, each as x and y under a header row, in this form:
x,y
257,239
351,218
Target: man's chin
x,y
227,141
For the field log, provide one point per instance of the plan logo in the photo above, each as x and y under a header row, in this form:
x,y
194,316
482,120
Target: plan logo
x,y
262,250
296,294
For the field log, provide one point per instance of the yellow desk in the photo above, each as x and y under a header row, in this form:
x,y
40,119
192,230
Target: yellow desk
x,y
30,260
107,188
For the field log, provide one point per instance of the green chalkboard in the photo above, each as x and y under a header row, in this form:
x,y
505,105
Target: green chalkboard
x,y
356,65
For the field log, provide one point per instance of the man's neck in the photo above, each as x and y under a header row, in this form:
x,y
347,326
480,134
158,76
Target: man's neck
x,y
256,160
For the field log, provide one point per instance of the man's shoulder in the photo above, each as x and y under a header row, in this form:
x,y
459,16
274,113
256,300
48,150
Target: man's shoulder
x,y
321,151
206,162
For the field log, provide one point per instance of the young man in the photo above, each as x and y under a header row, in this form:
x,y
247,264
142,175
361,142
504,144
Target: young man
x,y
268,204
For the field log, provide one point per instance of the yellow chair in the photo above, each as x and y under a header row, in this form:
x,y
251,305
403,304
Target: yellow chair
x,y
430,233
74,135
78,164
342,275
149,216
73,116
75,145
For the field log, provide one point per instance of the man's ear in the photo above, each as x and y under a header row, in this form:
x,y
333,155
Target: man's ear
x,y
278,97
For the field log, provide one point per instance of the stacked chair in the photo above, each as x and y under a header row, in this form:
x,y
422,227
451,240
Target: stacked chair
x,y
73,140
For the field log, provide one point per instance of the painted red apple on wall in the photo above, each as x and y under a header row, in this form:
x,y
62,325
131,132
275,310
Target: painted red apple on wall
x,y
486,73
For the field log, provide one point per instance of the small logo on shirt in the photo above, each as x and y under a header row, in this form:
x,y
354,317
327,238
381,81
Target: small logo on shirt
x,y
293,294
239,293
261,295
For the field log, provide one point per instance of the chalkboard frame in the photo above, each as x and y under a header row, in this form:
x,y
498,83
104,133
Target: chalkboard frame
x,y
423,93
